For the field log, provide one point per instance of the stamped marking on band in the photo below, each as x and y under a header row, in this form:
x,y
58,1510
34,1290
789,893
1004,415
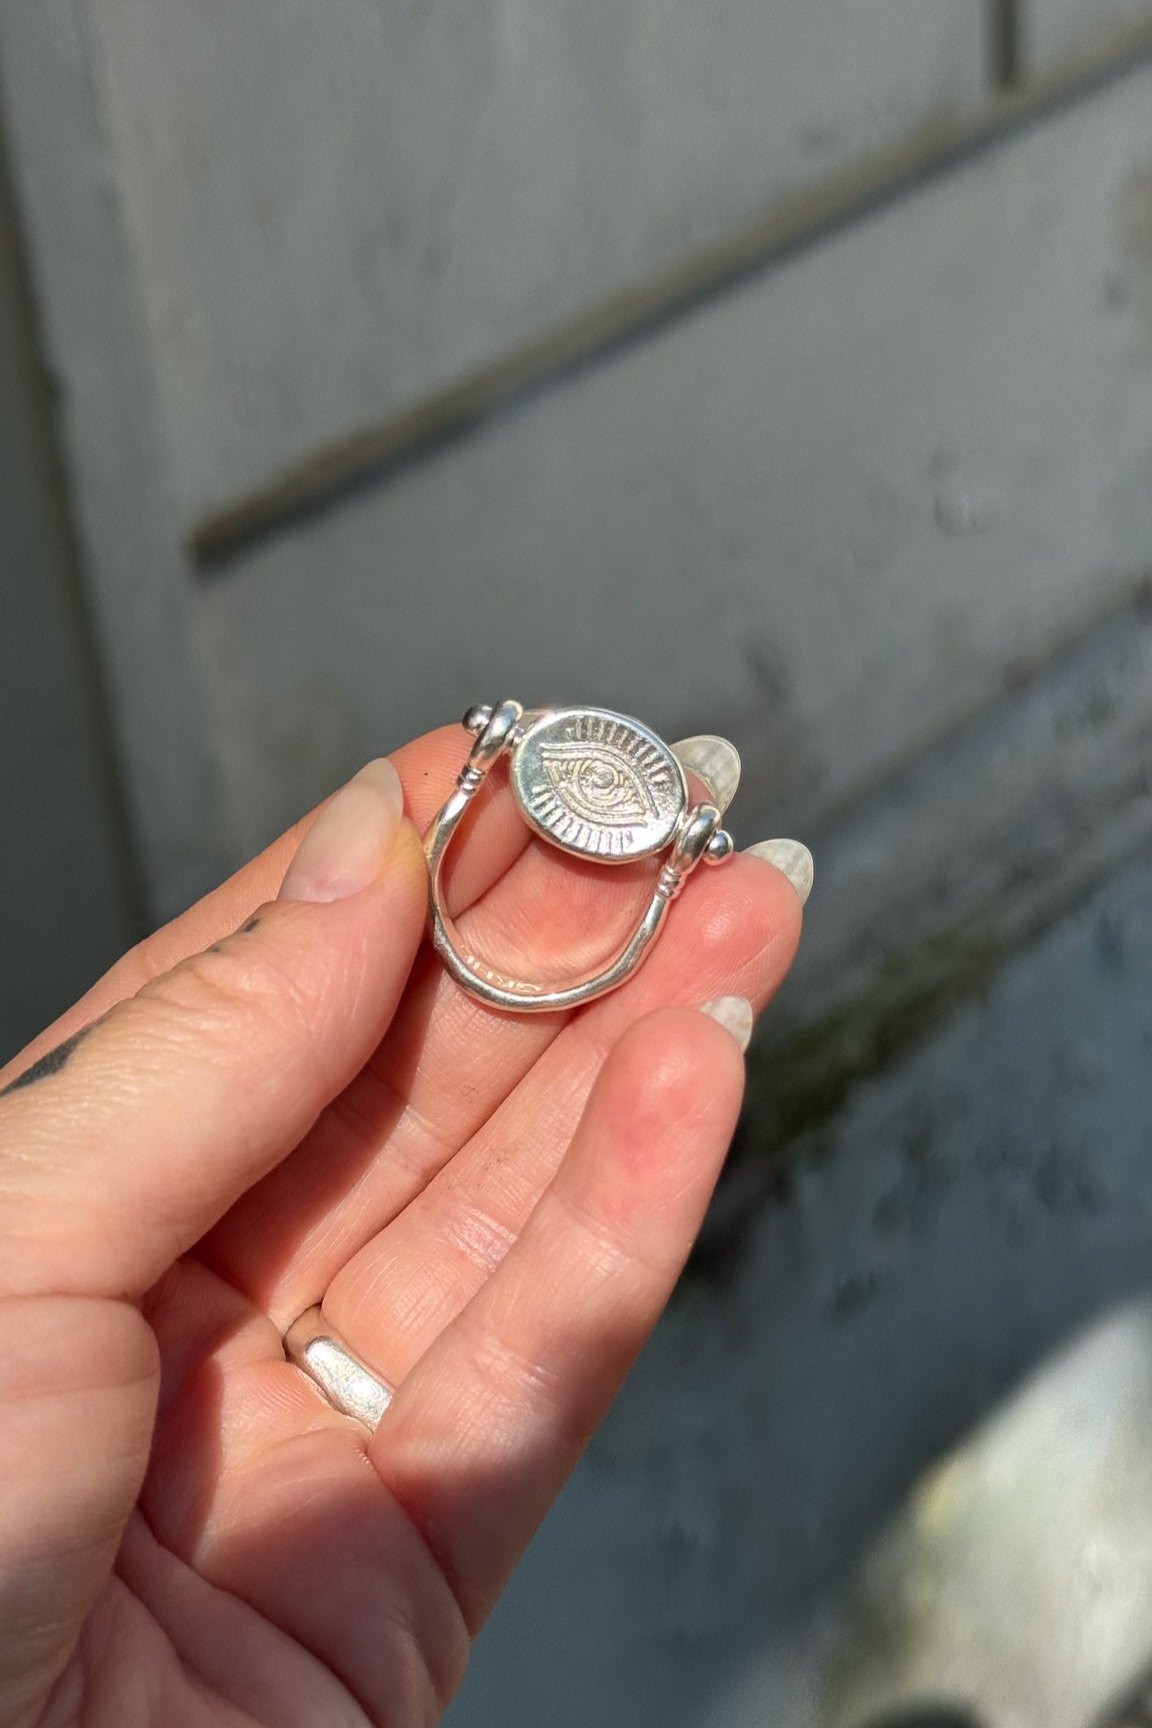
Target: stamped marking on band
x,y
517,985
598,784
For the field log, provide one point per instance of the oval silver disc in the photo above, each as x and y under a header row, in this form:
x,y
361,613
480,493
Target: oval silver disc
x,y
598,784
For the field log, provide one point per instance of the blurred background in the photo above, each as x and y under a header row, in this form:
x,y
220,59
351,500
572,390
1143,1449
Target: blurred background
x,y
779,369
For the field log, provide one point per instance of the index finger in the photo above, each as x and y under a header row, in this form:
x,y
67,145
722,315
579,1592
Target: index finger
x,y
427,767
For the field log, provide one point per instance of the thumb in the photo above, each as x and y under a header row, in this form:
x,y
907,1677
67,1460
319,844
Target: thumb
x,y
122,1147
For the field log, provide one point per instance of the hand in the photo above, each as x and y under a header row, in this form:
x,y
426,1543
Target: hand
x,y
269,1105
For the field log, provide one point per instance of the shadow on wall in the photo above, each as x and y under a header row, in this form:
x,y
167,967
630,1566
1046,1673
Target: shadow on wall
x,y
926,1716
1133,1711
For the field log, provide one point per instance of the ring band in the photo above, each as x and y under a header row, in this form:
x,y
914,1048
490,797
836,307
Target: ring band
x,y
601,786
349,1385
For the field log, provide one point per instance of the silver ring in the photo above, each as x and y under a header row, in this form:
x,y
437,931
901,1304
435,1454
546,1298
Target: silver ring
x,y
599,785
349,1385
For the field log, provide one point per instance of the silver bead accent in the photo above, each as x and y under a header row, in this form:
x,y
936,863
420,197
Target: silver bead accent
x,y
719,847
477,719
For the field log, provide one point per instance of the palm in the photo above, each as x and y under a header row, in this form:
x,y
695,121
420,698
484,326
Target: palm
x,y
284,1566
284,1586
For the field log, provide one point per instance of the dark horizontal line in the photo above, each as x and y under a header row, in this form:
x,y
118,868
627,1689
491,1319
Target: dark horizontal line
x,y
378,452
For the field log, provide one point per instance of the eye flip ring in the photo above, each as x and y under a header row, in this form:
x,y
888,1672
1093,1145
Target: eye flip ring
x,y
598,785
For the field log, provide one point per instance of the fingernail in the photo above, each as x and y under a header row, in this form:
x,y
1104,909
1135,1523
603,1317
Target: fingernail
x,y
345,848
790,856
734,1013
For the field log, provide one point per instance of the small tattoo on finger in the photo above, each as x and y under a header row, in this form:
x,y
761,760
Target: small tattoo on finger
x,y
47,1065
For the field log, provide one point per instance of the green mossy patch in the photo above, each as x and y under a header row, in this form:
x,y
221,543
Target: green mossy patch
x,y
799,1080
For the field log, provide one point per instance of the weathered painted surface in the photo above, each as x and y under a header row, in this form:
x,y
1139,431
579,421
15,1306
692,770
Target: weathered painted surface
x,y
963,856
829,516
334,209
1051,30
110,426
60,925
892,1468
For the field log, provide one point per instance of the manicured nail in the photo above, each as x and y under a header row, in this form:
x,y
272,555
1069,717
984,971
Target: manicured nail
x,y
345,848
734,1013
790,856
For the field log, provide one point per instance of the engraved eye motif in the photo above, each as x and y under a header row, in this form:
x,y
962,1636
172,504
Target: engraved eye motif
x,y
597,783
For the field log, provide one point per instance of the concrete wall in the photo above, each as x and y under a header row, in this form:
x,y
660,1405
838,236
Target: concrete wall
x,y
831,513
890,1467
206,191
67,906
863,488
1052,29
334,210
